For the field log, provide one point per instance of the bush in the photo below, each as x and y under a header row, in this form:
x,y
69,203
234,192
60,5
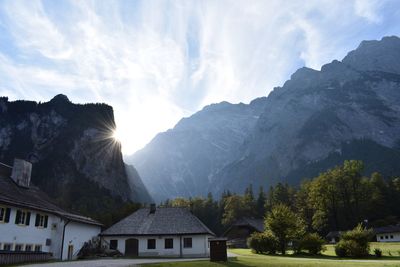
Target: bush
x,y
378,252
263,243
353,249
340,251
355,243
312,243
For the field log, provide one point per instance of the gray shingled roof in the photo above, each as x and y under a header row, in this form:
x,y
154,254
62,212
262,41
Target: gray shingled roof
x,y
32,198
257,224
387,229
334,234
165,221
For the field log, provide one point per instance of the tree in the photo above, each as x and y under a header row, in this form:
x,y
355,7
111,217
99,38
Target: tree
x,y
260,203
180,202
249,202
285,225
280,194
234,208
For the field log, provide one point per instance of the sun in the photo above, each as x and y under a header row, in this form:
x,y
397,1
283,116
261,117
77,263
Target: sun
x,y
116,135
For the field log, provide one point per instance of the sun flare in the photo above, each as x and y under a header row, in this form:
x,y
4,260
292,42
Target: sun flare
x,y
116,135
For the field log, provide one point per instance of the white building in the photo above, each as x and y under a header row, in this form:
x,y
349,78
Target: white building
x,y
389,233
29,221
167,232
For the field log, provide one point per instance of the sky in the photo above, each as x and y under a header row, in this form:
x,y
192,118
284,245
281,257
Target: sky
x,y
158,61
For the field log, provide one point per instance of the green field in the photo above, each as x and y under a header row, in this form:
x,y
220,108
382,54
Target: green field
x,y
328,259
389,249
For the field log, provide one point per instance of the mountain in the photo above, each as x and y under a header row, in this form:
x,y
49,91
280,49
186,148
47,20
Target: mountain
x,y
75,160
183,161
350,109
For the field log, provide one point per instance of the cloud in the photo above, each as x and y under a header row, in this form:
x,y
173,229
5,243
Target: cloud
x,y
156,61
368,9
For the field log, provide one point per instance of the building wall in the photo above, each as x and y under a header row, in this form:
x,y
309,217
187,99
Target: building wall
x,y
11,233
199,245
389,237
76,234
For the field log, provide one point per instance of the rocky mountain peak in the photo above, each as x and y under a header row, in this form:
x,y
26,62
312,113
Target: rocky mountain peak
x,y
375,55
60,98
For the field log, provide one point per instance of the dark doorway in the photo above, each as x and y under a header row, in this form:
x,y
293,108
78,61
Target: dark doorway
x,y
132,247
70,252
218,249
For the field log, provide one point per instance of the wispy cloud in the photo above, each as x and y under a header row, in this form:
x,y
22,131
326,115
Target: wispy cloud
x,y
156,61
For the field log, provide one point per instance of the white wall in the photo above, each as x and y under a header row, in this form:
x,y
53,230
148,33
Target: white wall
x,y
77,234
29,234
199,245
389,237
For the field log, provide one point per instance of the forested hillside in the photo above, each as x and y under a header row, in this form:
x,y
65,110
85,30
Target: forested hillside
x,y
337,199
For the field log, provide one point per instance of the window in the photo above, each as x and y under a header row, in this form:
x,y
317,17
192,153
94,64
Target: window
x,y
151,244
41,220
187,242
386,237
7,247
38,248
113,244
18,247
4,215
28,247
22,217
381,236
169,243
391,236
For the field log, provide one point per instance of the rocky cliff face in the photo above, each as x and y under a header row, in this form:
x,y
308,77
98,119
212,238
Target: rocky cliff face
x,y
318,114
348,110
71,149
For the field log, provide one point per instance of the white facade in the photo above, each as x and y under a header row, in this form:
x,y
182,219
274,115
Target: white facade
x,y
199,246
76,234
388,237
24,237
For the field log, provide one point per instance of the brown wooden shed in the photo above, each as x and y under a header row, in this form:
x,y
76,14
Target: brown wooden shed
x,y
218,250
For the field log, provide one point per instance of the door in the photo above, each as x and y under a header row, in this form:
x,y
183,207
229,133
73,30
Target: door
x,y
132,247
70,252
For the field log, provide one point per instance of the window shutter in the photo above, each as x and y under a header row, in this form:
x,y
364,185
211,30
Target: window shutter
x,y
28,218
17,217
7,218
37,219
46,218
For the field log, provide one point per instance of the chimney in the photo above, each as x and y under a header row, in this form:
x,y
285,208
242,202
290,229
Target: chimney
x,y
21,172
152,208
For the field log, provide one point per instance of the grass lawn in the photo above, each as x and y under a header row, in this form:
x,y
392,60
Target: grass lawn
x,y
389,249
247,258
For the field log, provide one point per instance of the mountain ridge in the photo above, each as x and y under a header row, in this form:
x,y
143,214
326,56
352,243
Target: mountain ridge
x,y
312,115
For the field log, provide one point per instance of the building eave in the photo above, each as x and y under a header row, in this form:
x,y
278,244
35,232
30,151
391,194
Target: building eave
x,y
170,234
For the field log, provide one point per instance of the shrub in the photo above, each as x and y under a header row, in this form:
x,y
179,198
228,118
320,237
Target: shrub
x,y
378,252
312,243
263,243
355,243
340,250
